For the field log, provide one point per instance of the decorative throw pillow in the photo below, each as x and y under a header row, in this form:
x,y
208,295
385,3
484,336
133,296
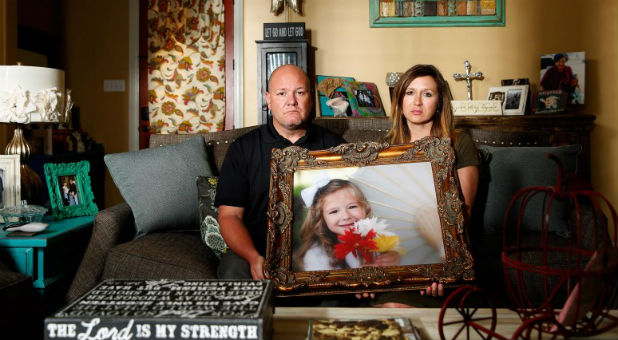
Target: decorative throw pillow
x,y
209,226
506,170
159,184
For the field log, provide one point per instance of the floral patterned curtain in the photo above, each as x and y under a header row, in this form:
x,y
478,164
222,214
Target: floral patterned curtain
x,y
186,66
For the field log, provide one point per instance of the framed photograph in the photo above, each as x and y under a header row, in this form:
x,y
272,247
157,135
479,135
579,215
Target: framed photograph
x,y
364,99
565,71
10,181
513,98
69,188
333,97
551,102
518,81
365,217
432,13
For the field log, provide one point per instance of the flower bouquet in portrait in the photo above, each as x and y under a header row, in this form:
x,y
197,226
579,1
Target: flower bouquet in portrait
x,y
366,237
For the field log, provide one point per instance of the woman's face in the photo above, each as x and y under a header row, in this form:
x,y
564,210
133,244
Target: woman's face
x,y
420,101
341,209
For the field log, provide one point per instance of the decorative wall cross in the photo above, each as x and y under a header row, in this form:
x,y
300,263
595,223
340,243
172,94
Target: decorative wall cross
x,y
468,77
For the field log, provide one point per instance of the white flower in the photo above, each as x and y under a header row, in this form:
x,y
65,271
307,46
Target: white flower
x,y
17,106
367,224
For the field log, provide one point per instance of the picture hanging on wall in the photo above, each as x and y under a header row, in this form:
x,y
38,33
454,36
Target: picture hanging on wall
x,y
565,72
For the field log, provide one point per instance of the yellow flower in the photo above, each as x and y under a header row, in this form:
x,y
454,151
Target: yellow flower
x,y
386,243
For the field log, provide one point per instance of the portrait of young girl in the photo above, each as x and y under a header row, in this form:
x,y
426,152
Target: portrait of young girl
x,y
333,208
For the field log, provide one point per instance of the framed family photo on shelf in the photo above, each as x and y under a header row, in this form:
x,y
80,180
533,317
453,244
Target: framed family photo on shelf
x,y
333,97
364,99
10,180
365,217
513,98
70,193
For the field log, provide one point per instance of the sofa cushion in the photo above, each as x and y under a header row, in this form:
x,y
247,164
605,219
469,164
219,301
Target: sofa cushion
x,y
159,184
506,170
209,226
162,256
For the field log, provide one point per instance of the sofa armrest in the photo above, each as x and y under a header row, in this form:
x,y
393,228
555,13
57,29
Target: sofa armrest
x,y
112,226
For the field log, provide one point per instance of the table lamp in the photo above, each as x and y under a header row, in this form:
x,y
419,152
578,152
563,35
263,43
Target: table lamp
x,y
31,94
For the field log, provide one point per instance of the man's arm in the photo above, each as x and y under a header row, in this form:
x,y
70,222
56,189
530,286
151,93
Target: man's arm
x,y
237,238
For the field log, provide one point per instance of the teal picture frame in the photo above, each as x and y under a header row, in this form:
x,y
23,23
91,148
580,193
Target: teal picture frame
x,y
377,20
70,191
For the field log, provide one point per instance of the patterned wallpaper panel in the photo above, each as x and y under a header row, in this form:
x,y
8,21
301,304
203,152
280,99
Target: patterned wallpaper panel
x,y
186,66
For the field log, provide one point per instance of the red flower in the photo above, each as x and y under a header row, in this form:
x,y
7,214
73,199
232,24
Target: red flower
x,y
351,241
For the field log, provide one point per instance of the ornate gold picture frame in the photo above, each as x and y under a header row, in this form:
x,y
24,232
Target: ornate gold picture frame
x,y
365,217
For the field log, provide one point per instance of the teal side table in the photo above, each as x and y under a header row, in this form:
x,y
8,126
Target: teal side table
x,y
50,255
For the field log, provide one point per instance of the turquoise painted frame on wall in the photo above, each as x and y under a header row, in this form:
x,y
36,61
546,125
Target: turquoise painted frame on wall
x,y
375,20
62,204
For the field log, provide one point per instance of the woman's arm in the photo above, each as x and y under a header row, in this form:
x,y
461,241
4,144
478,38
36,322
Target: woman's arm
x,y
468,181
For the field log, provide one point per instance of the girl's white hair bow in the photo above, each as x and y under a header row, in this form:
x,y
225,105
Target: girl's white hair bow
x,y
308,193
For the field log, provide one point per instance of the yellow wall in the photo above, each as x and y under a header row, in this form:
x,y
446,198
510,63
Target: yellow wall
x,y
96,37
345,46
97,48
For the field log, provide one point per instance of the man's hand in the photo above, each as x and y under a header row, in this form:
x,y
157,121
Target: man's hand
x,y
257,268
238,239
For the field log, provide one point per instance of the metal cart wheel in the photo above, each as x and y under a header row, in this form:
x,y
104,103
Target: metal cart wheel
x,y
541,327
458,321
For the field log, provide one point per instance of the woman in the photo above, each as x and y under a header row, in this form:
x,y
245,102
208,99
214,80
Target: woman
x,y
422,107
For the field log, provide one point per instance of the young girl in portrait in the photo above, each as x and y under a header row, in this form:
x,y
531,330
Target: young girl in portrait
x,y
334,208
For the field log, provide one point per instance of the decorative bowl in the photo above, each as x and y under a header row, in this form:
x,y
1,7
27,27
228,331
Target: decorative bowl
x,y
23,213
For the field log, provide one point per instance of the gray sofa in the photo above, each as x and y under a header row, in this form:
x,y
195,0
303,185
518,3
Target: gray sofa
x,y
113,253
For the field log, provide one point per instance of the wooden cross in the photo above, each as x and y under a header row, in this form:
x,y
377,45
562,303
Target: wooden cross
x,y
468,77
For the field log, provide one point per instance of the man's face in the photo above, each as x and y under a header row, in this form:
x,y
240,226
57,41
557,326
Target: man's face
x,y
289,98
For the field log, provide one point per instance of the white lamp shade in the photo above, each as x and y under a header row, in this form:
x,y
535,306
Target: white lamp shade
x,y
32,94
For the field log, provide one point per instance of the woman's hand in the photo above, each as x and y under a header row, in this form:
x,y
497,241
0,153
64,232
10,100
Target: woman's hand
x,y
436,289
365,296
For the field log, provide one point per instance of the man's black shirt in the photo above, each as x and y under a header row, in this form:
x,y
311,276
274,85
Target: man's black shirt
x,y
245,174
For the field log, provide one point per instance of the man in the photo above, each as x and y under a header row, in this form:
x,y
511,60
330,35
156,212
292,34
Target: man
x,y
242,192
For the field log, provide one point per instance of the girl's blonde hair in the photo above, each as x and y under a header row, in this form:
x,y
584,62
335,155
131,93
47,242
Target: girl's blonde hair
x,y
442,119
314,228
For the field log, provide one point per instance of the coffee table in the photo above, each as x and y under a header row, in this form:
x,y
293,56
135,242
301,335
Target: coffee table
x,y
290,323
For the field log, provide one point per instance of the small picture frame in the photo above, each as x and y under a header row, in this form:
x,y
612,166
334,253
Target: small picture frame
x,y
513,98
407,228
10,177
70,193
364,99
517,81
333,100
551,102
